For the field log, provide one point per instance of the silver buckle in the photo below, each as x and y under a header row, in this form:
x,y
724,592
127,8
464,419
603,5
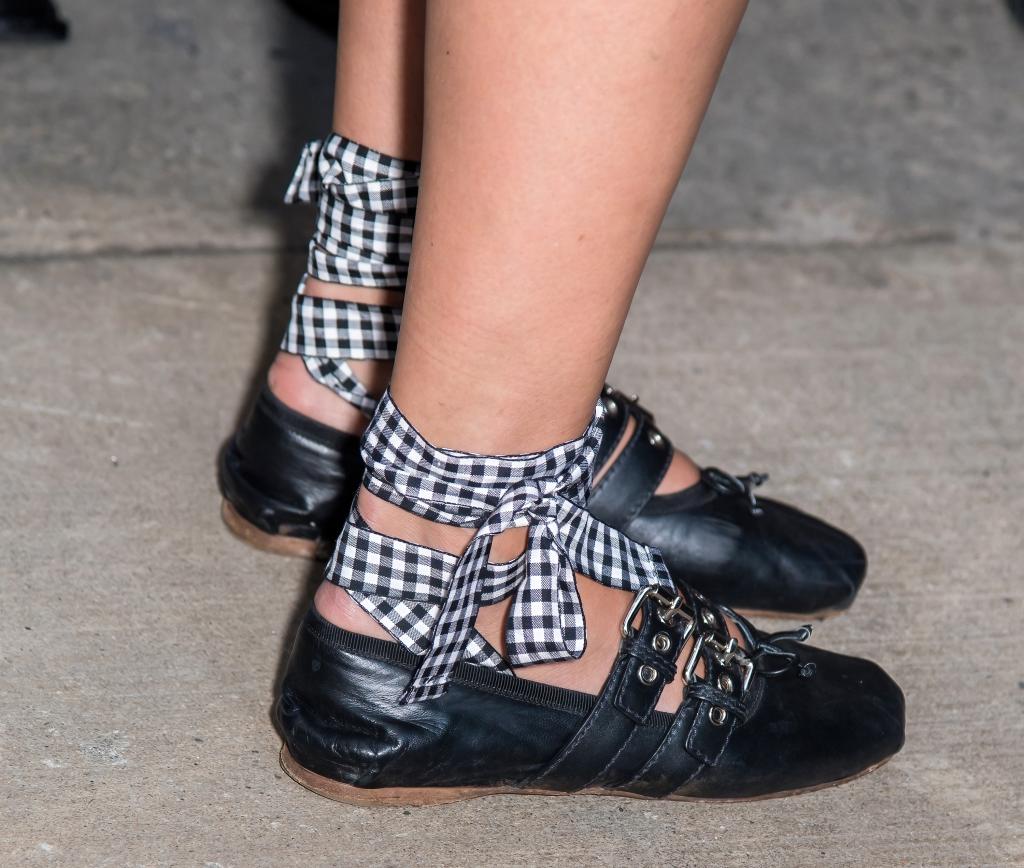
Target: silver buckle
x,y
730,653
670,610
691,661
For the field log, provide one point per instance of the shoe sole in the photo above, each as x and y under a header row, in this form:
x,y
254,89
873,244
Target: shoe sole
x,y
275,543
423,797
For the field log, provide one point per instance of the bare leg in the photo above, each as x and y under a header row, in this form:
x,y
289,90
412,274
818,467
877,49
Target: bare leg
x,y
554,137
378,102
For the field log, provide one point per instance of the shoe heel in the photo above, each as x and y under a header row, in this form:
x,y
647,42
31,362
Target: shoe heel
x,y
394,797
277,544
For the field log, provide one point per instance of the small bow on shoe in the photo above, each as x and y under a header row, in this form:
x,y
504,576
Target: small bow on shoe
x,y
543,491
545,622
726,483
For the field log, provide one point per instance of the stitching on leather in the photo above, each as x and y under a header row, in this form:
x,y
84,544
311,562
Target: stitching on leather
x,y
570,749
626,692
653,759
696,771
704,764
618,753
725,742
698,728
624,704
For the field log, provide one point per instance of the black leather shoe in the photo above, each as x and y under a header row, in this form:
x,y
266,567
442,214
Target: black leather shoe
x,y
776,720
757,555
288,482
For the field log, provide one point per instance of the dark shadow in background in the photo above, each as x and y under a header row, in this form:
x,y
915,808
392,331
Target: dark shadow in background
x,y
304,54
303,51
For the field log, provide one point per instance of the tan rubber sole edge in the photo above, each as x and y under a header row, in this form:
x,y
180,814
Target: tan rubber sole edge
x,y
278,544
422,797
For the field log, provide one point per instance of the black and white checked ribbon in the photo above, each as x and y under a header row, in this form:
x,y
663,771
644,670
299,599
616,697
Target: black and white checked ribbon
x,y
429,600
366,204
363,237
326,333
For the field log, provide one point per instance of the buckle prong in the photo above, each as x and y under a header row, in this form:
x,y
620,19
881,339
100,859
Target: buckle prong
x,y
670,610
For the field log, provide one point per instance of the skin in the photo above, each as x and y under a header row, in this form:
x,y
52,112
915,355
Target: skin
x,y
379,90
378,101
553,138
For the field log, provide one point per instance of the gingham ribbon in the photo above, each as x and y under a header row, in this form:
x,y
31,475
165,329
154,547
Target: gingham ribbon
x,y
544,491
366,208
326,333
341,329
363,237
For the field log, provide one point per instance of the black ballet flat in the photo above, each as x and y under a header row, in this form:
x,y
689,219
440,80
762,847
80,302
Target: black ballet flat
x,y
754,554
288,482
777,719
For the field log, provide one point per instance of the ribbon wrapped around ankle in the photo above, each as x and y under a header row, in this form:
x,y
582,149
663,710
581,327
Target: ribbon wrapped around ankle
x,y
544,491
363,237
367,205
326,333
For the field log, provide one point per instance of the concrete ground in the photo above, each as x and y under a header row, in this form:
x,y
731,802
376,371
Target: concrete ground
x,y
836,297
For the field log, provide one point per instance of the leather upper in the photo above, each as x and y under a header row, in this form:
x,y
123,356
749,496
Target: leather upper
x,y
289,474
757,554
339,715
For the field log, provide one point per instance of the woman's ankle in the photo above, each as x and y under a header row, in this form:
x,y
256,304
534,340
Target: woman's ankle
x,y
292,384
396,522
335,605
604,608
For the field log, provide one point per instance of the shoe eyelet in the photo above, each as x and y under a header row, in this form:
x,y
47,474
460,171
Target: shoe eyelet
x,y
662,642
608,391
633,399
612,407
717,715
655,438
648,674
725,683
708,617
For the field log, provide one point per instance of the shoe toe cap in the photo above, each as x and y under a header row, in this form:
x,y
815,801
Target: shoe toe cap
x,y
809,732
823,564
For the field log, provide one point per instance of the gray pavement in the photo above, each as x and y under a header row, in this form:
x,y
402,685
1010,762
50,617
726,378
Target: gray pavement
x,y
836,297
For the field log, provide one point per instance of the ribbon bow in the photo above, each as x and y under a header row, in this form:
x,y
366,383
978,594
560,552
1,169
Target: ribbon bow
x,y
545,492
